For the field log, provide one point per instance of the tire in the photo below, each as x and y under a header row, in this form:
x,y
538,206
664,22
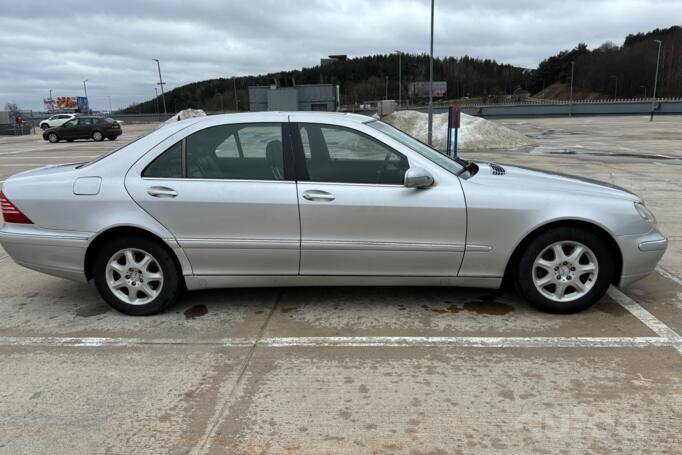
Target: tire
x,y
97,136
584,269
52,137
153,295
112,138
44,126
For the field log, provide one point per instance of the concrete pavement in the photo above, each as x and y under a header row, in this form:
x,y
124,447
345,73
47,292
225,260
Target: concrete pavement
x,y
356,370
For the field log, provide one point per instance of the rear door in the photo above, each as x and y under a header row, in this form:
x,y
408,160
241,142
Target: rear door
x,y
227,194
357,217
83,129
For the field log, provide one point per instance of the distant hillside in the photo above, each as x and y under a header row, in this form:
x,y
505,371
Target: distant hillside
x,y
364,78
610,70
360,79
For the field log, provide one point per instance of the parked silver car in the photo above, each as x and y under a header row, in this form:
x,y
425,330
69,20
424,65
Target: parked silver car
x,y
311,199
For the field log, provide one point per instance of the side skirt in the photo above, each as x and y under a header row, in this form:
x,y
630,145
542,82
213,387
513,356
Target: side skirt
x,y
195,282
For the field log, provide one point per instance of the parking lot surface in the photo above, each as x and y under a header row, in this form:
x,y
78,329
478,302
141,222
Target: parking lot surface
x,y
336,370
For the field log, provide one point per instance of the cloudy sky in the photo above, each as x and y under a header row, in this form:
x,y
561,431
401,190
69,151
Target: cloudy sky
x,y
57,44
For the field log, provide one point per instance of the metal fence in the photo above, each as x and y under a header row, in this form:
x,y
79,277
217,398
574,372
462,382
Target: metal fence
x,y
563,108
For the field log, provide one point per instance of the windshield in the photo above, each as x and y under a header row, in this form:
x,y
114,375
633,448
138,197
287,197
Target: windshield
x,y
424,150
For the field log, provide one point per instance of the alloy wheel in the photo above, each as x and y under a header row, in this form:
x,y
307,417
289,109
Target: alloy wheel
x,y
134,276
565,271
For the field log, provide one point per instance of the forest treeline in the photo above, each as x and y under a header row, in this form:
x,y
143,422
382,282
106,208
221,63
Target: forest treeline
x,y
610,70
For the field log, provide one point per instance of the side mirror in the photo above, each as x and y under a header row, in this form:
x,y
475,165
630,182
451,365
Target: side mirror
x,y
417,177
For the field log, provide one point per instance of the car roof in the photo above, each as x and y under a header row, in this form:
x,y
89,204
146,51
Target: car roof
x,y
310,116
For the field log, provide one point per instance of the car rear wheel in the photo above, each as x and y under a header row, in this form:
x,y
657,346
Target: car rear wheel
x,y
97,136
136,276
52,137
112,138
564,270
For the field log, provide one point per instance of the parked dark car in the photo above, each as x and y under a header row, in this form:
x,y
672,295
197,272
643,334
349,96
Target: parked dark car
x,y
88,127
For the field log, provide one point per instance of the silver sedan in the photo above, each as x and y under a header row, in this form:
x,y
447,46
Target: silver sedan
x,y
310,199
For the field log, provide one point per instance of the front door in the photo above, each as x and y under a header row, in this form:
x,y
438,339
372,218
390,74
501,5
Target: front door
x,y
227,195
69,130
357,217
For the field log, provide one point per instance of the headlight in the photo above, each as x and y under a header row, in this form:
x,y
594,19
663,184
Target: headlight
x,y
644,212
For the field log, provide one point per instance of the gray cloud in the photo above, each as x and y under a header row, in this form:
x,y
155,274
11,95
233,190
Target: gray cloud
x,y
47,45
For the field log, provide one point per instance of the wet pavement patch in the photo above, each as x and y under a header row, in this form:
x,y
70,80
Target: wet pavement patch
x,y
486,305
602,154
93,310
195,311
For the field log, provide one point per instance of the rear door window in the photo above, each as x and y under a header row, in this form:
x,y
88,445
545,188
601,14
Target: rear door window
x,y
238,151
166,165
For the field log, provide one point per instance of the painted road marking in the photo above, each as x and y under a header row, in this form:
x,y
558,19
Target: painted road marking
x,y
669,275
357,341
50,157
648,319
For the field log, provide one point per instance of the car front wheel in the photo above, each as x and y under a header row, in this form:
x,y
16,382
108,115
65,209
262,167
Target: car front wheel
x,y
97,136
564,270
52,137
136,276
44,126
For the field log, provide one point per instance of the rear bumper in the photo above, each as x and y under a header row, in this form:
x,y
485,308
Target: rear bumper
x,y
58,253
113,132
641,254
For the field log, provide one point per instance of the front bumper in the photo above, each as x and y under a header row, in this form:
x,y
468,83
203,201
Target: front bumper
x,y
58,253
641,253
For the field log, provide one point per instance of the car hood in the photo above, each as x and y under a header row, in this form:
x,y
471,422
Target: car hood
x,y
544,181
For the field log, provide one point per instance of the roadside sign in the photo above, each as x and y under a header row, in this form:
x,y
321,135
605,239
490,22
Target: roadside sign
x,y
454,122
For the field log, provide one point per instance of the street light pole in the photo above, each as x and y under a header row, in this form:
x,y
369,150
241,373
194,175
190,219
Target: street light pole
x,y
156,103
400,77
236,100
430,135
161,83
570,107
653,97
85,89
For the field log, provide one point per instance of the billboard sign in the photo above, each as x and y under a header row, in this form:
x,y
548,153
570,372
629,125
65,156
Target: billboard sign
x,y
421,89
49,104
66,102
82,103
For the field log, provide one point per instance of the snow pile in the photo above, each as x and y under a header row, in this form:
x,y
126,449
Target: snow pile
x,y
476,133
184,114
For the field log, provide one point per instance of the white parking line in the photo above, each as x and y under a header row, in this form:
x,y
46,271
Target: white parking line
x,y
648,319
358,341
50,157
669,275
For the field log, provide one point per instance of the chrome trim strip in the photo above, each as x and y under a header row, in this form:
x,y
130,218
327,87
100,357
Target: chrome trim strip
x,y
378,246
44,239
256,244
479,248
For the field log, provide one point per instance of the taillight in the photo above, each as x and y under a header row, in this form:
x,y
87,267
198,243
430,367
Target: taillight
x,y
107,125
11,213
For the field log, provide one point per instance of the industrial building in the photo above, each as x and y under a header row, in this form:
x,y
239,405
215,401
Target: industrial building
x,y
284,95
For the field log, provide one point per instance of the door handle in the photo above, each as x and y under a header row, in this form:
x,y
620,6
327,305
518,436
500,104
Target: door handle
x,y
162,191
313,195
